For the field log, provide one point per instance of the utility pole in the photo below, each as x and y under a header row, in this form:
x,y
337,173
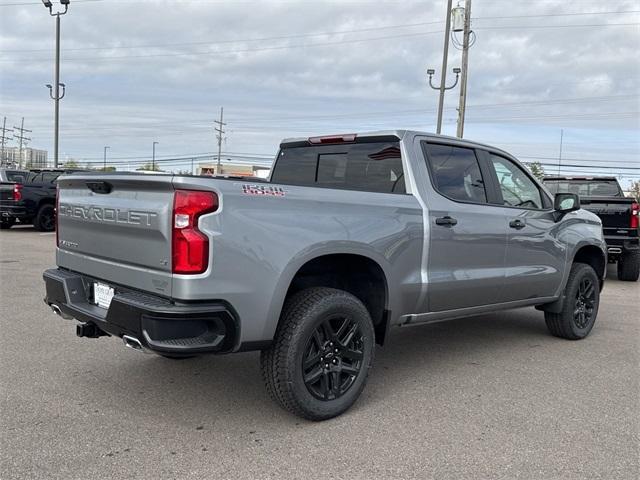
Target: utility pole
x,y
4,138
153,158
560,154
54,91
22,139
443,74
104,159
465,68
219,133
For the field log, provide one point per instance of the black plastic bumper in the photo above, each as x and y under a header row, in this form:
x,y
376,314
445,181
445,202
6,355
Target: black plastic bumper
x,y
619,244
14,211
159,325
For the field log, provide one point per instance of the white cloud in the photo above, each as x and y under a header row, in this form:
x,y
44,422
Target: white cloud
x,y
195,56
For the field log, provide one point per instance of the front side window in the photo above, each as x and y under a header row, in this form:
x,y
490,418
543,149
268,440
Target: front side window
x,y
518,190
456,173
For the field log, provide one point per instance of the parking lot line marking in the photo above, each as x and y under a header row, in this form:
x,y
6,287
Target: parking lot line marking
x,y
47,233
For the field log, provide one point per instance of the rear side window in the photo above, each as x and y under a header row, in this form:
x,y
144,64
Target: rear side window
x,y
456,173
371,167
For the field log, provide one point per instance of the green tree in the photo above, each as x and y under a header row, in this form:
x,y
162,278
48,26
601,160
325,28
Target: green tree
x,y
536,169
149,167
71,163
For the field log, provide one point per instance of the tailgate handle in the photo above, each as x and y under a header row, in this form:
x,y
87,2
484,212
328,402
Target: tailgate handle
x,y
99,187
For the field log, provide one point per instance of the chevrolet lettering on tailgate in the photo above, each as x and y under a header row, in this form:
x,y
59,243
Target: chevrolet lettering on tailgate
x,y
107,214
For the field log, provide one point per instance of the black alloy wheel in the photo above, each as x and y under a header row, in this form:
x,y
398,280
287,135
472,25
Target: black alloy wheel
x,y
333,358
579,309
585,303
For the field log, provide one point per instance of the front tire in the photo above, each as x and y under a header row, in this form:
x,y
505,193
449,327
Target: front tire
x,y
580,309
322,352
629,266
45,220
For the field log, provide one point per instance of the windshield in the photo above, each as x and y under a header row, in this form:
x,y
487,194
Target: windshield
x,y
585,188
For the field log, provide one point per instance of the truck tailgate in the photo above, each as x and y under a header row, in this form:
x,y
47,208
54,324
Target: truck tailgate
x,y
117,228
615,213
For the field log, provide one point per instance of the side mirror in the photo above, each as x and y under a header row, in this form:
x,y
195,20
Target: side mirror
x,y
566,202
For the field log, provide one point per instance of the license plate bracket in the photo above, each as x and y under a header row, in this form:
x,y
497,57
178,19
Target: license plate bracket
x,y
102,295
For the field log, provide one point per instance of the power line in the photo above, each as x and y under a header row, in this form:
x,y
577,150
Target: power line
x,y
308,45
356,115
313,34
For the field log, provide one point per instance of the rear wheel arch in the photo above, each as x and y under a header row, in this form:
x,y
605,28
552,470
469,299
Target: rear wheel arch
x,y
357,274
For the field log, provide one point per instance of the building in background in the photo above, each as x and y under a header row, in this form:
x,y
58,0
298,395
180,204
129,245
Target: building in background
x,y
31,157
235,169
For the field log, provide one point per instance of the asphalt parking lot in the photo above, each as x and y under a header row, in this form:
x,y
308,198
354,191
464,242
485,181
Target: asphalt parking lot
x,y
493,396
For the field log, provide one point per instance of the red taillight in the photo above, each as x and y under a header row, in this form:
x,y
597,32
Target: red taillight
x,y
190,247
17,192
348,138
635,215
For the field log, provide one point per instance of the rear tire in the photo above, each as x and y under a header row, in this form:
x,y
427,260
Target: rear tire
x,y
323,349
7,223
580,309
629,266
45,220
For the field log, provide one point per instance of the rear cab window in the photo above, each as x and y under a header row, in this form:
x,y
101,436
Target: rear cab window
x,y
584,187
455,172
372,166
16,176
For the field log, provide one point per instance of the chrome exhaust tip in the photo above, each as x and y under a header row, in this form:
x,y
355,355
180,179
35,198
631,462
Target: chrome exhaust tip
x,y
133,343
56,309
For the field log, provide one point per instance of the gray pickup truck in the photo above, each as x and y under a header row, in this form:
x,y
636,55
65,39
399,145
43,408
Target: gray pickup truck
x,y
351,234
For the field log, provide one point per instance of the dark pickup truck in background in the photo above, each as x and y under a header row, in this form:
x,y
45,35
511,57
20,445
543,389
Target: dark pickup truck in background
x,y
620,217
29,196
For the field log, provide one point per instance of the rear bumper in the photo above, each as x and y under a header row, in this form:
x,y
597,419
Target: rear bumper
x,y
161,326
13,211
618,244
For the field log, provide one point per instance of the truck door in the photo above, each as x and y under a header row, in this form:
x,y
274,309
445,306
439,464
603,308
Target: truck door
x,y
467,233
535,256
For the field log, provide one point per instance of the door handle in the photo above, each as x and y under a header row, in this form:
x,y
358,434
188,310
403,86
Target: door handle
x,y
517,224
446,221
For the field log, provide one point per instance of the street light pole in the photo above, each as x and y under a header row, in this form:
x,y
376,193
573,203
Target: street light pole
x,y
443,88
153,159
54,91
104,165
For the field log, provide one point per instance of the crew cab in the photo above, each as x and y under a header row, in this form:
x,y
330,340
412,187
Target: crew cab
x,y
350,235
620,217
28,196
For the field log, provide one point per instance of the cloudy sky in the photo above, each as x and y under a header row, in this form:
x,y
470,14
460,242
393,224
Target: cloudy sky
x,y
143,71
